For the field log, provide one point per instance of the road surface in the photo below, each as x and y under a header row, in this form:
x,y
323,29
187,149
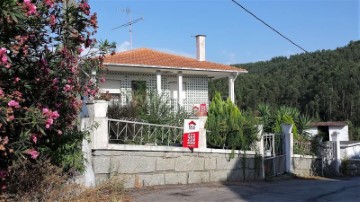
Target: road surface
x,y
344,189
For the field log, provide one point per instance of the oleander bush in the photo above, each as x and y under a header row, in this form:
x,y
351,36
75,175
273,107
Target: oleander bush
x,y
44,71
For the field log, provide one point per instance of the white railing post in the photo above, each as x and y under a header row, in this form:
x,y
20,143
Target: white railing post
x,y
335,137
286,129
260,148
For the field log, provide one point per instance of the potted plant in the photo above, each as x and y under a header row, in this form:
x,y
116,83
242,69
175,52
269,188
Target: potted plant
x,y
98,106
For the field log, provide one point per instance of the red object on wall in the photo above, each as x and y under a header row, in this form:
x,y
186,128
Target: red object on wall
x,y
191,140
203,110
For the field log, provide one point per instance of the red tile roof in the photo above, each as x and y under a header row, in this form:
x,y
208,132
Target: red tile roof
x,y
148,57
329,123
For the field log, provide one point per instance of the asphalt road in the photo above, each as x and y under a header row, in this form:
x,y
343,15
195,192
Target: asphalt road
x,y
285,190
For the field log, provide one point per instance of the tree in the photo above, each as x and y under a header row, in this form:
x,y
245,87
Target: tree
x,y
41,43
228,127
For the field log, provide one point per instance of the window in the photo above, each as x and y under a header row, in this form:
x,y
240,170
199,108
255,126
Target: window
x,y
111,87
138,90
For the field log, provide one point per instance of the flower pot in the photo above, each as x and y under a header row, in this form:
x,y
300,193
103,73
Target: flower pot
x,y
97,108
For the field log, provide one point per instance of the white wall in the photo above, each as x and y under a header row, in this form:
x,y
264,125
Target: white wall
x,y
342,131
350,151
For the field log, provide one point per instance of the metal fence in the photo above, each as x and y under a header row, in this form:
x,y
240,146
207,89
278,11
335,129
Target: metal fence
x,y
274,156
139,133
273,145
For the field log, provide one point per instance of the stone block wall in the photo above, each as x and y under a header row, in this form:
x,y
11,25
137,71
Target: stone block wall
x,y
306,165
149,168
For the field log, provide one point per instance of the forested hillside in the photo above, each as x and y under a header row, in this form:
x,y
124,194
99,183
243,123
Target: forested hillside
x,y
324,84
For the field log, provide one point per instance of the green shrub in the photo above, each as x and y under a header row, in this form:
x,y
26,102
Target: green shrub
x,y
228,127
155,109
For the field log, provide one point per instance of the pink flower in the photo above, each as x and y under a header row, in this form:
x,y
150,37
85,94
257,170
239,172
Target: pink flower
x,y
102,80
11,117
31,8
17,79
85,7
13,103
52,20
45,110
34,138
55,81
49,121
67,87
59,132
55,115
33,153
49,3
4,58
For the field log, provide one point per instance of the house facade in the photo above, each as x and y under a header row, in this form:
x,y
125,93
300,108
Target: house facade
x,y
181,79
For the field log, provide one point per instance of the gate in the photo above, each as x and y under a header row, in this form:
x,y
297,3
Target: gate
x,y
274,154
328,152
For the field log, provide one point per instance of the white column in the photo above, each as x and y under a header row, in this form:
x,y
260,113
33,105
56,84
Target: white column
x,y
99,135
286,129
260,142
158,82
337,156
232,88
202,133
260,149
180,89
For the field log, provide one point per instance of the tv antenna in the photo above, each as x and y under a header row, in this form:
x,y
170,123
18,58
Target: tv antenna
x,y
129,24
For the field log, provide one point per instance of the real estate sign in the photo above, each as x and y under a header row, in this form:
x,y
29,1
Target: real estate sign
x,y
191,133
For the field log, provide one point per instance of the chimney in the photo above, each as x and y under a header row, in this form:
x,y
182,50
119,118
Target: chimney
x,y
200,47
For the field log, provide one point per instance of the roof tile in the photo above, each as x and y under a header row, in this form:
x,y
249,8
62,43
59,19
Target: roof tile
x,y
148,57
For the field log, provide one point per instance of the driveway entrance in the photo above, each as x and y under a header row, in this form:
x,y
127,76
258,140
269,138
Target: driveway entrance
x,y
286,190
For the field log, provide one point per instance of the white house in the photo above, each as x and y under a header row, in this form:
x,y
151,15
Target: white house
x,y
184,80
330,128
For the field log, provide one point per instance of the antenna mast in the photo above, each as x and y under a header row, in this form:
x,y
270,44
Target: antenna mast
x,y
128,12
129,24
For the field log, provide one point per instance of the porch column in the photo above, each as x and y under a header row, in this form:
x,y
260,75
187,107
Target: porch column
x,y
232,88
158,82
180,89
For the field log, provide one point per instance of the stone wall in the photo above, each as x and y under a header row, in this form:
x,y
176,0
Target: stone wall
x,y
305,165
148,168
351,167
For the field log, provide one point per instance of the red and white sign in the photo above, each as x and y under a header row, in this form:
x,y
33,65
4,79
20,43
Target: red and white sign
x,y
191,140
191,125
191,133
200,109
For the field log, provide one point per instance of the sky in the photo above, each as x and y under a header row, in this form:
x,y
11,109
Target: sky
x,y
232,35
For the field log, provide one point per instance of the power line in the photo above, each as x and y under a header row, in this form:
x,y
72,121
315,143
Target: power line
x,y
262,21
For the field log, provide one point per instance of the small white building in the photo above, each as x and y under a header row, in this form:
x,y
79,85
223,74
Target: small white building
x,y
329,129
184,80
